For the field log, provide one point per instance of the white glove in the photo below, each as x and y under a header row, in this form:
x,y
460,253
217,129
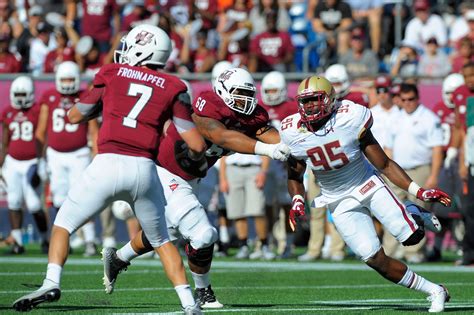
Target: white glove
x,y
451,154
42,169
279,151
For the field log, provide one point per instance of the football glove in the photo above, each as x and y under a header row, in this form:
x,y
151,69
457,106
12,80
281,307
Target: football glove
x,y
434,195
197,168
279,151
423,217
297,210
451,155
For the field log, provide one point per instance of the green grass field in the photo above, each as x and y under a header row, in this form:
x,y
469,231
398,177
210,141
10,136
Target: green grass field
x,y
245,287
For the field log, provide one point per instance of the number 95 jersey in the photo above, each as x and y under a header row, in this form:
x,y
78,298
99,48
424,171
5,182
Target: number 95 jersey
x,y
332,152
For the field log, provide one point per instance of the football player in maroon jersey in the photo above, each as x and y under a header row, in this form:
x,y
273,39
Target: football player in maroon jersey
x,y
339,78
135,100
231,110
18,160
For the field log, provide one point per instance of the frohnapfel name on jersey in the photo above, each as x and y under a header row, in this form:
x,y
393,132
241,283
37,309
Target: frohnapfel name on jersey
x,y
142,76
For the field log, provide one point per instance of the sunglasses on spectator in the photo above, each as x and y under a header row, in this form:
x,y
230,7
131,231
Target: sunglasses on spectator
x,y
411,99
381,90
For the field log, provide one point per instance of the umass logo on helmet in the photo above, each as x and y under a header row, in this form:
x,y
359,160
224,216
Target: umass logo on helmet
x,y
143,38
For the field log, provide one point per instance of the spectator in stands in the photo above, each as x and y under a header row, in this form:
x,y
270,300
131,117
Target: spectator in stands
x,y
88,56
63,52
41,44
271,50
463,55
9,63
434,62
368,12
167,24
359,60
96,20
258,16
138,13
390,14
200,60
405,59
426,25
332,19
460,28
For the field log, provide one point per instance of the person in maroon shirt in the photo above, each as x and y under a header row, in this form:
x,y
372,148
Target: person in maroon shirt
x,y
18,161
135,100
230,123
9,63
463,98
271,50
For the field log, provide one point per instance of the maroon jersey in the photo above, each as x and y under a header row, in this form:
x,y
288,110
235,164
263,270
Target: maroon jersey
x,y
96,18
278,112
22,125
62,135
209,104
271,48
136,103
447,117
9,63
460,96
357,97
54,58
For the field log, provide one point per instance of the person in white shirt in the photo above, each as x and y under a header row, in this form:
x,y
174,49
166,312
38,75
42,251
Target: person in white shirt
x,y
426,25
415,142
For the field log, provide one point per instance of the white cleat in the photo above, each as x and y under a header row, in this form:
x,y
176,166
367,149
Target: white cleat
x,y
438,299
112,267
192,309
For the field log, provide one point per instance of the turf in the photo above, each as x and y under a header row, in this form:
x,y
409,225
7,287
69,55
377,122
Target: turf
x,y
245,287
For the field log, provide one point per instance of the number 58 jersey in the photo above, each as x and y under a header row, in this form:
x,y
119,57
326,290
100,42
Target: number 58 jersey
x,y
332,152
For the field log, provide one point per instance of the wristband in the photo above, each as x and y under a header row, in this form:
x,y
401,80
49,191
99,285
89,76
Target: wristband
x,y
413,188
263,148
298,198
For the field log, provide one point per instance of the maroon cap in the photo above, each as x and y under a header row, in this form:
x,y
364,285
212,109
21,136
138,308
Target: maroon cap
x,y
422,5
383,82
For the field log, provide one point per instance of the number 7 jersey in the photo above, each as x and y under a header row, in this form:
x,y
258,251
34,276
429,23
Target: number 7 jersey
x,y
332,152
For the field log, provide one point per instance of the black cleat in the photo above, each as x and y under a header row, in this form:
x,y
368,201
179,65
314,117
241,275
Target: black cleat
x,y
17,249
207,298
28,302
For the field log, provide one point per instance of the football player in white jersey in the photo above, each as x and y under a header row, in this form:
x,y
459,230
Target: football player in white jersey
x,y
334,138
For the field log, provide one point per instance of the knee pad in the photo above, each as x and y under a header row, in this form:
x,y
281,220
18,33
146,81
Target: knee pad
x,y
146,242
415,238
205,238
199,257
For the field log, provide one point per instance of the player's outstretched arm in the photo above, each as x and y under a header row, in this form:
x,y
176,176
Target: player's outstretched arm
x,y
296,190
375,154
88,107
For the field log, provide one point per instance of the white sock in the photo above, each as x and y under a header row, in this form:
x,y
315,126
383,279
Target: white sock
x,y
53,273
224,234
126,253
16,234
201,280
413,281
89,232
185,295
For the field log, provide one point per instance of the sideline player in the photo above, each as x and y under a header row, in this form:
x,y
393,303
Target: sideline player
x,y
214,119
335,139
19,162
135,100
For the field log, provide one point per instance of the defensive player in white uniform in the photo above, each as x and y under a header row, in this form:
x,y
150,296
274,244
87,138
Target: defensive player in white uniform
x,y
334,138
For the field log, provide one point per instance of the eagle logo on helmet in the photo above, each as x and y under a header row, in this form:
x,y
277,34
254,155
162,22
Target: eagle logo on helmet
x,y
144,38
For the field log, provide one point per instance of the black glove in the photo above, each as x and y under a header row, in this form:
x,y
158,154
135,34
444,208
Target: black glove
x,y
197,168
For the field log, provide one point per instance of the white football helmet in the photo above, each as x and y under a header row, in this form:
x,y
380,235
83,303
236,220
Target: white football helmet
x,y
450,83
68,78
236,88
274,80
339,78
22,92
144,45
218,68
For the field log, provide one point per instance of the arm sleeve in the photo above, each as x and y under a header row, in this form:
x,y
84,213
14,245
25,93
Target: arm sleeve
x,y
182,113
90,105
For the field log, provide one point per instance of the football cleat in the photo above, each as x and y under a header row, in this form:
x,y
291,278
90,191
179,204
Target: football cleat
x,y
90,250
425,217
17,249
28,302
438,299
192,309
207,298
112,267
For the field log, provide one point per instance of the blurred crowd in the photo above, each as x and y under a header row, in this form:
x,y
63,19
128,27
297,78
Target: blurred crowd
x,y
435,37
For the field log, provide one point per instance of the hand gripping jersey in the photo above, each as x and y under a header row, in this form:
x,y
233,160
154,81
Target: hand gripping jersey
x,y
209,104
333,151
21,131
137,103
62,135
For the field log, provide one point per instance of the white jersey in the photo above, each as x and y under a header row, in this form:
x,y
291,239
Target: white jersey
x,y
333,152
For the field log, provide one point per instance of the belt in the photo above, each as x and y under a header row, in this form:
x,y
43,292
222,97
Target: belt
x,y
246,165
